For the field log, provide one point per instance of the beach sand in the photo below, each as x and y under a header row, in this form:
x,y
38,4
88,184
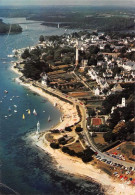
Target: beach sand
x,y
69,112
73,165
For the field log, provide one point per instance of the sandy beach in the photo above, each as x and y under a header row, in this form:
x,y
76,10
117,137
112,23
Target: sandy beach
x,y
66,163
69,112
75,166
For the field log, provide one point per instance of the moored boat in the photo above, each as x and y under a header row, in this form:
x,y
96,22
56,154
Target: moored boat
x,y
29,111
49,118
9,109
23,117
34,112
5,91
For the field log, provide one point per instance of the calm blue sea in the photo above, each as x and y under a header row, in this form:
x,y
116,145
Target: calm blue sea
x,y
24,167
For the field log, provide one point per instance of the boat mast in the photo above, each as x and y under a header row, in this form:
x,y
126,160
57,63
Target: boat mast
x,y
38,127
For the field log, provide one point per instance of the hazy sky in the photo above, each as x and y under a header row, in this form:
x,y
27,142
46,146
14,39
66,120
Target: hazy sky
x,y
68,2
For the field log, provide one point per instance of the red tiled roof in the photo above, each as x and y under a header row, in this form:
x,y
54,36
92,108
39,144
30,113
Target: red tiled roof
x,y
96,121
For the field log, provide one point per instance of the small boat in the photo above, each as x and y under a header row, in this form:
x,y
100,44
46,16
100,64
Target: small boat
x,y
61,119
43,110
10,115
10,56
23,117
15,110
5,91
14,50
49,118
0,101
17,96
34,112
29,111
9,109
10,99
15,106
5,116
5,96
4,62
55,104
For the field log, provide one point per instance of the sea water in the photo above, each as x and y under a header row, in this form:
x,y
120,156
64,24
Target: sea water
x,y
25,168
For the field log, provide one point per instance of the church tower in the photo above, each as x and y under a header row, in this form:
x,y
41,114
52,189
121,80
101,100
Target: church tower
x,y
123,103
77,56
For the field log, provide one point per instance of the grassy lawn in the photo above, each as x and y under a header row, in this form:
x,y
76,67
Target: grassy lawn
x,y
99,141
95,104
77,147
49,137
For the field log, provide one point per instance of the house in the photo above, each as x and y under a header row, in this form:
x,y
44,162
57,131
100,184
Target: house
x,y
117,88
100,63
122,105
129,65
96,91
102,46
84,63
44,79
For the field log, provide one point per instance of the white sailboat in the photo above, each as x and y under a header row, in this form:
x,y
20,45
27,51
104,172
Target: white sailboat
x,y
55,104
34,112
49,118
38,128
61,119
9,109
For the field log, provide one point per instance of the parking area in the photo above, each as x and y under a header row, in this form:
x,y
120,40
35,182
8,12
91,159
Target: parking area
x,y
118,171
123,152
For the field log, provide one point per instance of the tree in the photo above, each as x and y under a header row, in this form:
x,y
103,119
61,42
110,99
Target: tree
x,y
79,129
133,151
109,136
41,38
107,48
104,128
115,118
67,60
87,155
54,145
25,54
68,129
93,49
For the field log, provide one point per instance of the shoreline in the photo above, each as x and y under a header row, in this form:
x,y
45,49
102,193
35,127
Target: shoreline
x,y
66,163
74,166
62,106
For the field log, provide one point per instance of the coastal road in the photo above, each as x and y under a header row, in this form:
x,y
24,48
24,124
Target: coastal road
x,y
103,155
92,146
82,108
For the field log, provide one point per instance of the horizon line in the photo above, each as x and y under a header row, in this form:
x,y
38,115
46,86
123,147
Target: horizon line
x,y
132,6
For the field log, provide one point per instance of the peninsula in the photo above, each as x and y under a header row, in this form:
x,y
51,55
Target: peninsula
x,y
89,77
9,28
